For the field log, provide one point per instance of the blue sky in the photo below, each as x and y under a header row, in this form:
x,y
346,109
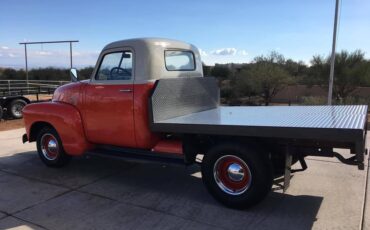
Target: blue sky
x,y
225,31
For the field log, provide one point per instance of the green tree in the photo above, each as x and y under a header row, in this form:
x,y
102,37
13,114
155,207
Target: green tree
x,y
220,71
351,71
206,70
298,70
264,78
49,73
9,74
85,73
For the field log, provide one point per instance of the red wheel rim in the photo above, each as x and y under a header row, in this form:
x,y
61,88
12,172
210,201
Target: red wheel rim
x,y
49,146
232,174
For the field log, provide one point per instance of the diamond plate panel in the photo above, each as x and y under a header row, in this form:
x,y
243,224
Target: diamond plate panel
x,y
181,96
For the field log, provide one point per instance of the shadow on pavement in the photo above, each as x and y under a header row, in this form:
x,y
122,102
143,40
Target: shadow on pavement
x,y
118,187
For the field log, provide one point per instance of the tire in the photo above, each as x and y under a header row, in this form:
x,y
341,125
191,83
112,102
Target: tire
x,y
50,148
14,109
221,167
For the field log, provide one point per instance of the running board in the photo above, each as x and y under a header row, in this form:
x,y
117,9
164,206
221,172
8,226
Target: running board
x,y
136,155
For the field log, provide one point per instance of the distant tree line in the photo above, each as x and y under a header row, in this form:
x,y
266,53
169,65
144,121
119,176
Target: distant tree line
x,y
265,76
48,73
258,81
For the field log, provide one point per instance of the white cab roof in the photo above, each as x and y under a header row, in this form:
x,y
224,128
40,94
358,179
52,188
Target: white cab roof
x,y
149,61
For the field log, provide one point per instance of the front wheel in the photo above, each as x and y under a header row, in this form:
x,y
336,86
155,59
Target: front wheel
x,y
235,175
50,148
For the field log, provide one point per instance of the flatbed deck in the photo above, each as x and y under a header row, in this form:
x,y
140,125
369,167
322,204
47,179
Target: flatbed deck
x,y
191,106
339,123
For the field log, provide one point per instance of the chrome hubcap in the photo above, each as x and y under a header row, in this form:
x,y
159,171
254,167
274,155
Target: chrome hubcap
x,y
235,172
49,146
52,146
232,175
17,109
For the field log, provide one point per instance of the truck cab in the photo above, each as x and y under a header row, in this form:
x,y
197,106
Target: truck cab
x,y
112,107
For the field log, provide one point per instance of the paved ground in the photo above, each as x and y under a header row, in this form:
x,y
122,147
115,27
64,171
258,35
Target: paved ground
x,y
93,193
9,124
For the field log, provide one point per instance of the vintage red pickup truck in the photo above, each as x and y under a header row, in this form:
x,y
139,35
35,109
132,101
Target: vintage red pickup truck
x,y
147,100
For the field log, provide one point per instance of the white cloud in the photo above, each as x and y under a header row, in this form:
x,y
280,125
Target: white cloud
x,y
86,54
43,53
225,51
14,57
4,48
242,53
203,53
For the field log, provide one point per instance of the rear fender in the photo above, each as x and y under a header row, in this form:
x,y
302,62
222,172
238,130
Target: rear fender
x,y
65,118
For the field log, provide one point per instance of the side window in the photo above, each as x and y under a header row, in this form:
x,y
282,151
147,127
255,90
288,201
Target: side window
x,y
115,66
177,60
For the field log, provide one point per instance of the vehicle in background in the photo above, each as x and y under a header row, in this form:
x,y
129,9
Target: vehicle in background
x,y
16,94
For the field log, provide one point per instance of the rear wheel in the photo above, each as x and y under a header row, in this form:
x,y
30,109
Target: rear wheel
x,y
15,108
50,148
235,175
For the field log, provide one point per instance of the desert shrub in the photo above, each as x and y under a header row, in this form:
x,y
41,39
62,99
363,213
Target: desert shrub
x,y
310,100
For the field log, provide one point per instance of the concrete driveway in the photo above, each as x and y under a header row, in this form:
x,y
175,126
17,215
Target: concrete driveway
x,y
95,193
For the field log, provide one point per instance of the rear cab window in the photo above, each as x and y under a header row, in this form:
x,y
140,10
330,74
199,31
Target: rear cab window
x,y
179,60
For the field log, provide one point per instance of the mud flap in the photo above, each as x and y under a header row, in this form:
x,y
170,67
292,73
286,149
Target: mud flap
x,y
24,138
288,168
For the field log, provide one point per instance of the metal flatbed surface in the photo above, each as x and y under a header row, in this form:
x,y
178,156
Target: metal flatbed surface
x,y
345,122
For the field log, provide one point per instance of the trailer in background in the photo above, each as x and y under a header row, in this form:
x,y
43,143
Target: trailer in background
x,y
15,94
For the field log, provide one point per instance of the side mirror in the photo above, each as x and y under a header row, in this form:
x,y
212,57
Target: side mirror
x,y
73,73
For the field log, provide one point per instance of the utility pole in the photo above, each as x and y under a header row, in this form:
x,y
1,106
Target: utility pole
x,y
332,59
70,53
25,55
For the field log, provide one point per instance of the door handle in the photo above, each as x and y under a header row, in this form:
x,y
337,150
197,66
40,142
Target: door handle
x,y
125,90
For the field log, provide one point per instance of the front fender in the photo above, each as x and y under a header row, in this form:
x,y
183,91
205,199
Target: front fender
x,y
65,118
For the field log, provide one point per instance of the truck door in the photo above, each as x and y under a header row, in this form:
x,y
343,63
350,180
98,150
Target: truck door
x,y
108,101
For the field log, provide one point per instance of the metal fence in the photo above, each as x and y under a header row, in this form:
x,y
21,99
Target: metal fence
x,y
31,87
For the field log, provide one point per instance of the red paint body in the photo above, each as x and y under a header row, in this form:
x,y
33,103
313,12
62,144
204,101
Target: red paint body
x,y
108,114
86,114
169,146
65,118
145,139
